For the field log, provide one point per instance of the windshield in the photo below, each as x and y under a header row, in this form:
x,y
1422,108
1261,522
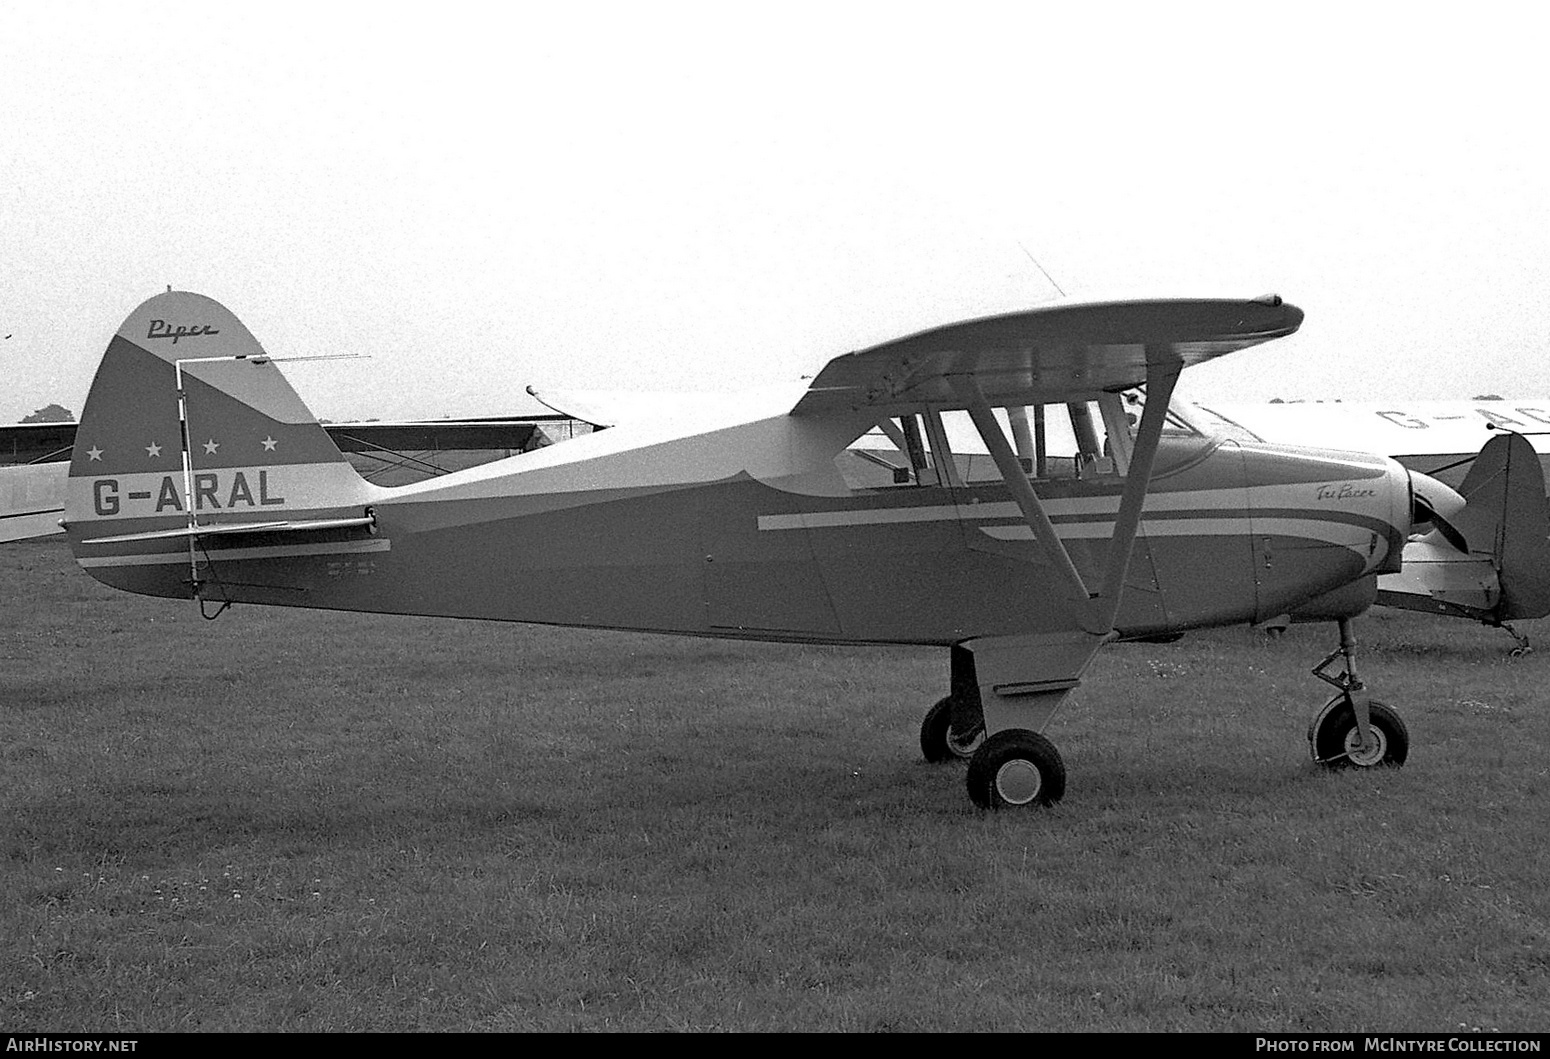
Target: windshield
x,y
1212,424
1180,421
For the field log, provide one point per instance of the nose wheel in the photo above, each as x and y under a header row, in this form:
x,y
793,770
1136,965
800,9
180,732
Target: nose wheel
x,y
1335,742
1354,730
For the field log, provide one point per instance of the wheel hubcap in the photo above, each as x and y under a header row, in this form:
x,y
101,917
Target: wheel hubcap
x,y
1374,755
1018,781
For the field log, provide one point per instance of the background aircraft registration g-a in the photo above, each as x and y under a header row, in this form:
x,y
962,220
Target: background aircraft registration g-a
x,y
198,473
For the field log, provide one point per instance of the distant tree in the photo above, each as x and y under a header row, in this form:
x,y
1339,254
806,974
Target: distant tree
x,y
51,414
1486,397
1276,400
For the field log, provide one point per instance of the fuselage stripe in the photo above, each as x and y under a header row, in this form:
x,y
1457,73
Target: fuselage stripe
x,y
1187,507
1329,530
235,554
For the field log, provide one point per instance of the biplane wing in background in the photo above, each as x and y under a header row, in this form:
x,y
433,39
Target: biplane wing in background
x,y
34,457
199,474
32,500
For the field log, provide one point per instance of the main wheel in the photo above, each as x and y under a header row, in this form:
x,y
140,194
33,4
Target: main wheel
x,y
1336,742
1016,767
937,741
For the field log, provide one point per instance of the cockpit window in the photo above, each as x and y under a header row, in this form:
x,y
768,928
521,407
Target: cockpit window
x,y
1080,440
1180,422
1212,424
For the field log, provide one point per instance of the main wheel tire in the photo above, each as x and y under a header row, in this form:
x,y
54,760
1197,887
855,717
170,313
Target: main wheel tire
x,y
1016,767
936,735
1335,741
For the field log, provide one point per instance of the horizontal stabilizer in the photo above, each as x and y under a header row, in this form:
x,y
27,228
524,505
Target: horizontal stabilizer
x,y
236,529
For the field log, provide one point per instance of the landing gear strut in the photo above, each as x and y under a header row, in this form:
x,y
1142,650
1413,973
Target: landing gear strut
x,y
955,727
938,741
1354,729
1015,766
1522,647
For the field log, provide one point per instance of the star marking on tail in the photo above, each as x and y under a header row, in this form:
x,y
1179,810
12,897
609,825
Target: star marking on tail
x,y
95,453
211,446
153,450
269,444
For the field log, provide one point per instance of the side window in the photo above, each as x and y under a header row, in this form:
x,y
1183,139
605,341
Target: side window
x,y
1077,440
1050,441
899,451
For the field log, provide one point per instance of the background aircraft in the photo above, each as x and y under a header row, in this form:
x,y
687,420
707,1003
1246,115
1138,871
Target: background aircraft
x,y
1437,438
198,473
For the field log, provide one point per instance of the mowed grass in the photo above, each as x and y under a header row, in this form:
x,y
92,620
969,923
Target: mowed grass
x,y
313,821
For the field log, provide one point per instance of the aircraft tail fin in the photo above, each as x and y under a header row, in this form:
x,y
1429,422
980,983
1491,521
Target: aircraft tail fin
x,y
239,455
1506,514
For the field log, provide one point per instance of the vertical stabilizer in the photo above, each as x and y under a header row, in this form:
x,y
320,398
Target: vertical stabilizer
x,y
1507,515
241,449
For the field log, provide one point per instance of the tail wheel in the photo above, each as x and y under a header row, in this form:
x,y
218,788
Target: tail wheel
x,y
1016,767
1335,741
937,741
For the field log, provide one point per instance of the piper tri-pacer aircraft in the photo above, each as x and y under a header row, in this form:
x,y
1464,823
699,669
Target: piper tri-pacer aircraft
x,y
198,473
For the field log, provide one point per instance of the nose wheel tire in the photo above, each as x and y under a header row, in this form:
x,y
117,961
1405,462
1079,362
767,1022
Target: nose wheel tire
x,y
937,741
1016,768
1335,741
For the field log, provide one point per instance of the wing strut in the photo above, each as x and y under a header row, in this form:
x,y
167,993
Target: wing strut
x,y
1099,609
1017,482
1160,379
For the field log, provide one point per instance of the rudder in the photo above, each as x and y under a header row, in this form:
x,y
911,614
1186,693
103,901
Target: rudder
x,y
1506,513
251,454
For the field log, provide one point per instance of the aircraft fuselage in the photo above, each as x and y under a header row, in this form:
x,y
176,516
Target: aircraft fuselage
x,y
747,529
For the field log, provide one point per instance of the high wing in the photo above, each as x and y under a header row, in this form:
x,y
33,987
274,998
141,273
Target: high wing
x,y
1062,352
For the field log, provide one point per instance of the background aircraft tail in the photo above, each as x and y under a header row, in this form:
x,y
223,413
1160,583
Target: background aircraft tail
x,y
1492,561
240,456
1506,515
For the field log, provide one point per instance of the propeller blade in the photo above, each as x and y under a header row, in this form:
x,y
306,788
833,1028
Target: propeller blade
x,y
1423,512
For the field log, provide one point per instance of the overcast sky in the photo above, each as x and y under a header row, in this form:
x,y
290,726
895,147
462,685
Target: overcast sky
x,y
667,196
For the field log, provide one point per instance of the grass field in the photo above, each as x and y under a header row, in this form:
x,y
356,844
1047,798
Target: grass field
x,y
297,820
